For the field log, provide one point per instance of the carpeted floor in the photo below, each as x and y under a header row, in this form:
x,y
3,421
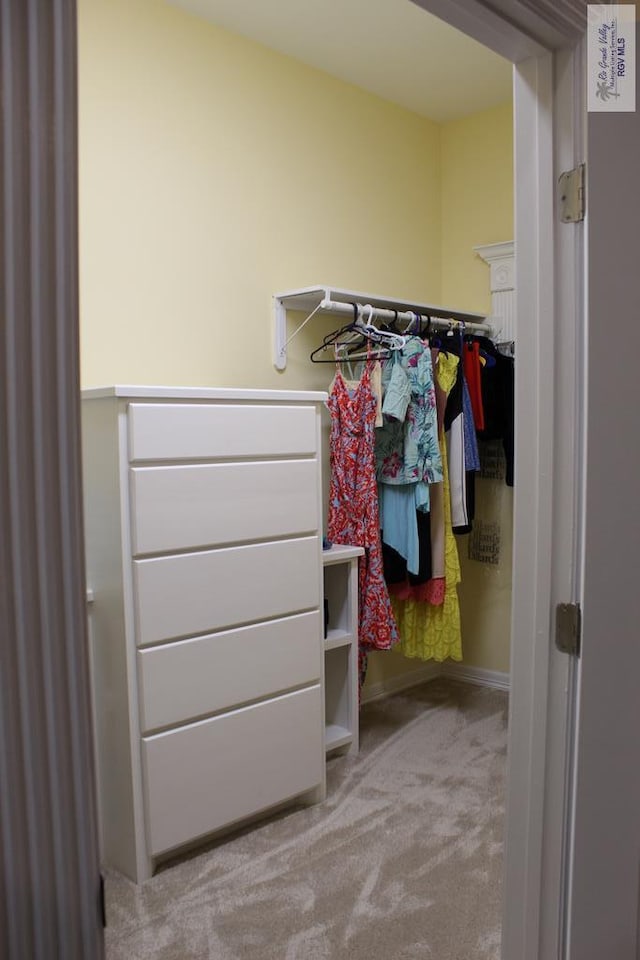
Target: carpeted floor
x,y
402,861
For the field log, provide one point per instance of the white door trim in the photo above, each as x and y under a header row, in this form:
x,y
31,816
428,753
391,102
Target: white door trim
x,y
549,398
569,412
533,506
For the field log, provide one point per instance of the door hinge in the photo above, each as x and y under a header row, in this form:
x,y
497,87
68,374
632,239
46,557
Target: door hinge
x,y
569,628
571,194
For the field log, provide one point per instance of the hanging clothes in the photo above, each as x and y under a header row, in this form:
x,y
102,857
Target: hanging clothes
x,y
408,457
353,507
460,425
407,449
428,631
498,401
446,375
454,432
445,366
473,377
429,586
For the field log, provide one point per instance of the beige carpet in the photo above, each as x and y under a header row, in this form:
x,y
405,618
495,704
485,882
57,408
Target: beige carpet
x,y
402,861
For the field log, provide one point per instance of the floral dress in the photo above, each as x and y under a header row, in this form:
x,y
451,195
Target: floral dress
x,y
353,507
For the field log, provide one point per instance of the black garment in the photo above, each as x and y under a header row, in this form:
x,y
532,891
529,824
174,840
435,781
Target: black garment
x,y
498,401
395,566
470,493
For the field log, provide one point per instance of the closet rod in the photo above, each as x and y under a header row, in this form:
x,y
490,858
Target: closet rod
x,y
447,320
325,299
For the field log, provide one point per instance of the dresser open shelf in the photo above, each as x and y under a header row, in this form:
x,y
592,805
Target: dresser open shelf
x,y
340,565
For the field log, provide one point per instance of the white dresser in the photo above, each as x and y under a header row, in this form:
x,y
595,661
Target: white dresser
x,y
203,531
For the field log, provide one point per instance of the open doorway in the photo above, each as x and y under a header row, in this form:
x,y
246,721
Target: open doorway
x,y
364,232
358,189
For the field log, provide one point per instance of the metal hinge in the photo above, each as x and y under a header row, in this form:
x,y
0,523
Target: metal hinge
x,y
569,628
571,194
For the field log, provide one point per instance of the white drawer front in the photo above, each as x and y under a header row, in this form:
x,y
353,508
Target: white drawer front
x,y
216,772
191,678
207,504
192,431
200,592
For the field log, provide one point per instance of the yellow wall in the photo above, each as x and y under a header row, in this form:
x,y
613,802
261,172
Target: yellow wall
x,y
477,208
477,201
485,594
214,172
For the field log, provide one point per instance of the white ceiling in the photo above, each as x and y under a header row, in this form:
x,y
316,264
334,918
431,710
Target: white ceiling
x,y
391,48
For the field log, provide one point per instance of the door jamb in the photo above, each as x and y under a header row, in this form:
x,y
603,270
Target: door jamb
x,y
550,274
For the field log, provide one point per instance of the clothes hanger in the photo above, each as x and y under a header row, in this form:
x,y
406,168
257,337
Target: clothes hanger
x,y
450,329
365,330
331,338
386,341
431,336
414,318
393,326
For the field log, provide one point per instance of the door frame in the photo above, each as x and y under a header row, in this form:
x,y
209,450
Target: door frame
x,y
546,511
548,138
50,882
548,96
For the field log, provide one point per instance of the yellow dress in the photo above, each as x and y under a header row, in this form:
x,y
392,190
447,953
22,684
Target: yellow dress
x,y
433,632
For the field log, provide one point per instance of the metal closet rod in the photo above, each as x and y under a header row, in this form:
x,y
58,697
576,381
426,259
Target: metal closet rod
x,y
439,319
448,321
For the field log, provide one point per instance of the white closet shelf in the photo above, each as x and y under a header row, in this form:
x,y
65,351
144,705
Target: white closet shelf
x,y
337,638
336,736
338,553
332,301
340,580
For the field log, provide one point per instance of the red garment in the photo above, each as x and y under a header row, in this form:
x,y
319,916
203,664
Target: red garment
x,y
472,373
353,506
431,591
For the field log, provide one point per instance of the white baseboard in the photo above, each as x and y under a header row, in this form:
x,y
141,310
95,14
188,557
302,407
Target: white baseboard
x,y
429,671
477,675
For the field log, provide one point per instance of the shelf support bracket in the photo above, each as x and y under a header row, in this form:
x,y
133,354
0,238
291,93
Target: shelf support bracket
x,y
279,334
281,341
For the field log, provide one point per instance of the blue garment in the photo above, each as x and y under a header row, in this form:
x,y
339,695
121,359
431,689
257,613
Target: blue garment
x,y
471,455
397,393
399,522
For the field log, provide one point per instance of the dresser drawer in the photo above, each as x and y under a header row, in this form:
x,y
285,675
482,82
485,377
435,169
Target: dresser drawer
x,y
186,506
200,592
191,678
210,774
192,431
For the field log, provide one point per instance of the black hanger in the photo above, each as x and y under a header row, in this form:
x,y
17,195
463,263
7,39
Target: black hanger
x,y
335,335
393,326
432,336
